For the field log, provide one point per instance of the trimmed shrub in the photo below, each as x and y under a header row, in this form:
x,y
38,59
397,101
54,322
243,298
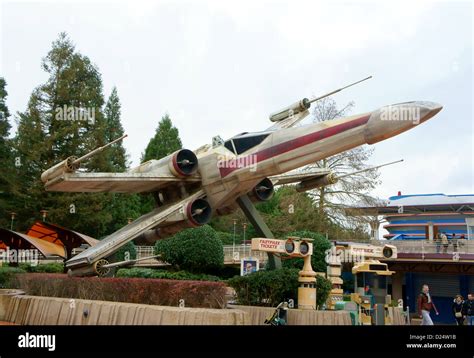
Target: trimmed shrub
x,y
196,250
7,274
266,288
323,288
134,290
152,273
52,267
269,288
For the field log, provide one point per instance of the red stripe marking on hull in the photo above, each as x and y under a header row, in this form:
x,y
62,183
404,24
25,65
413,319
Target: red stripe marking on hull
x,y
267,153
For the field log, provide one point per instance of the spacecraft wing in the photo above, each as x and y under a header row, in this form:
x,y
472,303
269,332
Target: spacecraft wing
x,y
113,182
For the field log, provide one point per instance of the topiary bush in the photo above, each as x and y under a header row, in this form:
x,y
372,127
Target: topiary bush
x,y
197,250
269,288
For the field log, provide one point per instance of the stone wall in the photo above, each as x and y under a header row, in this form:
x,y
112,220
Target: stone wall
x,y
17,308
257,316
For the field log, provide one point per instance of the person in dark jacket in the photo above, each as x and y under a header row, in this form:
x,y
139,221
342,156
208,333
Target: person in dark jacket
x,y
458,310
425,305
468,309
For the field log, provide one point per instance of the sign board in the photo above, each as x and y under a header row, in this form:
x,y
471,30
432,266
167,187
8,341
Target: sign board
x,y
270,245
248,265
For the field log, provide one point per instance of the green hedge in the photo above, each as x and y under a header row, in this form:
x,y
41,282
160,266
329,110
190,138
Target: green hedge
x,y
269,288
152,273
52,267
7,274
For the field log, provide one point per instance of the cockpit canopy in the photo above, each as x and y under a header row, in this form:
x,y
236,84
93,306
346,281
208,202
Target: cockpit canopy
x,y
245,141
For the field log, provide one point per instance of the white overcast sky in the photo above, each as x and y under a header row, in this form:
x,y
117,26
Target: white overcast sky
x,y
220,67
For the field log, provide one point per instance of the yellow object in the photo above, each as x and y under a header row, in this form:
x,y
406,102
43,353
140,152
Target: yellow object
x,y
307,288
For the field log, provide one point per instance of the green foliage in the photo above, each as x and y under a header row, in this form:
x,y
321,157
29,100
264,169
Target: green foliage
x,y
126,252
318,259
7,274
270,207
266,288
323,288
152,273
269,288
227,238
52,267
122,207
7,177
47,135
116,155
197,250
165,141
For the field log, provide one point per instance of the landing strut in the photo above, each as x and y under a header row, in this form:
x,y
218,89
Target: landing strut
x,y
252,214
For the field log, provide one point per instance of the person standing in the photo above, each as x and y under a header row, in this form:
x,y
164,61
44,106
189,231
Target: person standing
x,y
425,305
468,309
454,240
444,242
438,242
458,310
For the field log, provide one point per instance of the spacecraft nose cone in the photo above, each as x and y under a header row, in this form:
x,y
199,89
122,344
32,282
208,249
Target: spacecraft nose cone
x,y
427,109
391,120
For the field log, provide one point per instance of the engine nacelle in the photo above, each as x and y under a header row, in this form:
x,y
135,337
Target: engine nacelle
x,y
263,191
195,213
198,212
181,163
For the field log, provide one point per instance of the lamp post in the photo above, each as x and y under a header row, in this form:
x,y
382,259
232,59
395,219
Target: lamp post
x,y
245,228
233,241
13,214
44,213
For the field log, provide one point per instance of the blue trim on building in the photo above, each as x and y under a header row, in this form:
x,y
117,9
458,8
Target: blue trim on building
x,y
434,221
407,231
396,197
